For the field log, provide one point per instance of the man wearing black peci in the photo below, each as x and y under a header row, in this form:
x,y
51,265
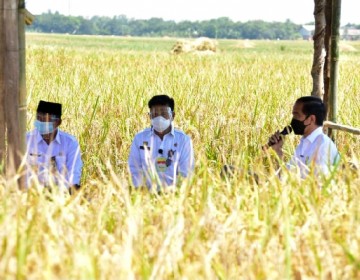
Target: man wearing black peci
x,y
53,156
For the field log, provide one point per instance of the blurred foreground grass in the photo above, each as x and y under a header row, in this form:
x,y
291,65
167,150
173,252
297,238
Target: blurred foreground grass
x,y
210,227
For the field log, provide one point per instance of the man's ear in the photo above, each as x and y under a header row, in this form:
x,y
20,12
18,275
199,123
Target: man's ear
x,y
173,115
313,119
58,122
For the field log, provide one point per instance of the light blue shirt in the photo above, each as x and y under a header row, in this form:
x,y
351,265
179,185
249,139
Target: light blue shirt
x,y
316,150
59,162
158,162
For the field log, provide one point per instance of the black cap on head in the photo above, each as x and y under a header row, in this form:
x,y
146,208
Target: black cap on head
x,y
49,108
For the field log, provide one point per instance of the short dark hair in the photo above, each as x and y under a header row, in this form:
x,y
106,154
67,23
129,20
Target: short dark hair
x,y
162,99
313,105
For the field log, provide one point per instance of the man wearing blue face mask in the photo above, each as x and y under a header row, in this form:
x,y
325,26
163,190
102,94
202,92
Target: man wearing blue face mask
x,y
53,156
160,154
316,150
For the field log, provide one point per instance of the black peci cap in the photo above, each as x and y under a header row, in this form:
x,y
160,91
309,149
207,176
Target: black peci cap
x,y
49,108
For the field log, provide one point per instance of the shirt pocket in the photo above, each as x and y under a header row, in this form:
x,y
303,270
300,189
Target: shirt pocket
x,y
61,163
34,163
147,158
34,159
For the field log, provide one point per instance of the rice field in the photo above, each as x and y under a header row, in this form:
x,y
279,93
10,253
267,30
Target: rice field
x,y
211,227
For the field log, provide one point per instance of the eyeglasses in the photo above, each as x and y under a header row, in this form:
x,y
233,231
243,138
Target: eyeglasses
x,y
45,117
166,113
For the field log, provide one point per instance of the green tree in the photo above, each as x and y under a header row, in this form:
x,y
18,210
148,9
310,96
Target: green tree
x,y
120,25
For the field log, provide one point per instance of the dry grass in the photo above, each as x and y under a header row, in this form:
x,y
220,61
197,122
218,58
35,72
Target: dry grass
x,y
210,228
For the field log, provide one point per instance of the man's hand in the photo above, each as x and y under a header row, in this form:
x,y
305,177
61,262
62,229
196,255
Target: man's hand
x,y
277,142
74,189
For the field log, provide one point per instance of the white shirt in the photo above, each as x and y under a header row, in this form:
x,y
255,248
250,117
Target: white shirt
x,y
59,162
158,162
316,150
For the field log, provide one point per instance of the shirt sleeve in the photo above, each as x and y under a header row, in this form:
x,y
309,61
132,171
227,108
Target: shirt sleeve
x,y
135,164
186,161
74,164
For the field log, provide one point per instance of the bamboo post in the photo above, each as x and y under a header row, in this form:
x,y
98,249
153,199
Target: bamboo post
x,y
328,12
346,128
334,56
22,77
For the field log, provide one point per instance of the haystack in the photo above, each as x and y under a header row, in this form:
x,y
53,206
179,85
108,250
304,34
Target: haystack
x,y
245,44
199,45
181,46
346,47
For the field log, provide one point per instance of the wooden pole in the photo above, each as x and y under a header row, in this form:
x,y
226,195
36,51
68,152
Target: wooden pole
x,y
2,88
346,128
334,56
317,70
11,66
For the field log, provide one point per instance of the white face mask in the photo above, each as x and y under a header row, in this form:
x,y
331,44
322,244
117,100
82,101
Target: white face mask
x,y
160,123
44,127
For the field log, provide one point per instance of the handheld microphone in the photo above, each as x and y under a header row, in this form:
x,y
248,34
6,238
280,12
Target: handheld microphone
x,y
287,129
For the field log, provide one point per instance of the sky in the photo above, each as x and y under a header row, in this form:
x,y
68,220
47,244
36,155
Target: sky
x,y
298,11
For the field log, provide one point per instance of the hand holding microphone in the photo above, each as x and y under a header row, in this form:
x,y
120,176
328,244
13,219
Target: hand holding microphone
x,y
277,137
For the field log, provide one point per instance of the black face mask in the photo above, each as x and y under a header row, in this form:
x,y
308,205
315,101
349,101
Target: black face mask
x,y
298,126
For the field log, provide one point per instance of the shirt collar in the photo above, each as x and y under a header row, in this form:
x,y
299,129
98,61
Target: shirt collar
x,y
39,137
314,134
57,137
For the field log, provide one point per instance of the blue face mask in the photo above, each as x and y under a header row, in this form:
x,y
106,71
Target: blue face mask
x,y
44,127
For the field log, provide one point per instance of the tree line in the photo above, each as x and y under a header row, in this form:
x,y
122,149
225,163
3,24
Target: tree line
x,y
221,28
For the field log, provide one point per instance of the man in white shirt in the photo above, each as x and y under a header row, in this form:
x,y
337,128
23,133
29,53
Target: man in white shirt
x,y
315,150
160,154
53,156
